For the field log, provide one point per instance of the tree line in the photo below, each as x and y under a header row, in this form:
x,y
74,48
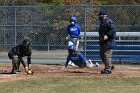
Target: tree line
x,y
65,2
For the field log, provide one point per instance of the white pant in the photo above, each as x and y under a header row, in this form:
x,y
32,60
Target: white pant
x,y
74,41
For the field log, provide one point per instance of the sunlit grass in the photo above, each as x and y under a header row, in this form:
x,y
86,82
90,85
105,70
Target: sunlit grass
x,y
73,85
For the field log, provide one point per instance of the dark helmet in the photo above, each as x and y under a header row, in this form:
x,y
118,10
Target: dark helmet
x,y
73,18
71,49
26,43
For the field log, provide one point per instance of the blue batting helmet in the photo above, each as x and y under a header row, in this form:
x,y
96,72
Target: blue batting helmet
x,y
71,47
73,18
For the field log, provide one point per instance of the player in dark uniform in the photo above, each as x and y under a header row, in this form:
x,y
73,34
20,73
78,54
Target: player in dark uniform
x,y
78,59
17,53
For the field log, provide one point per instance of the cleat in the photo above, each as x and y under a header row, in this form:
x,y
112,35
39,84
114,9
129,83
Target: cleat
x,y
106,71
18,71
13,72
71,63
97,64
112,67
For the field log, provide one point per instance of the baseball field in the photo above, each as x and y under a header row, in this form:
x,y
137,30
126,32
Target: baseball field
x,y
55,79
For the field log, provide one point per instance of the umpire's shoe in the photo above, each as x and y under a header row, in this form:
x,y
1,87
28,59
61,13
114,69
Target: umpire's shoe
x,y
112,67
106,71
13,72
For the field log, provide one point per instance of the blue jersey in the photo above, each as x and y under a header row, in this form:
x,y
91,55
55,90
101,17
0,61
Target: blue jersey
x,y
77,58
73,30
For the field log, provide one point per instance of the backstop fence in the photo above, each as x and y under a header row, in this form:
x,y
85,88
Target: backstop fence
x,y
45,27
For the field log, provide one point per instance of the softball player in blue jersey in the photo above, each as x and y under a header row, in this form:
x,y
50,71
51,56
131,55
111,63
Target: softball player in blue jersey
x,y
78,59
73,32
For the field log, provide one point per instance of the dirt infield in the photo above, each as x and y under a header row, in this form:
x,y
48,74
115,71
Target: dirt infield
x,y
41,70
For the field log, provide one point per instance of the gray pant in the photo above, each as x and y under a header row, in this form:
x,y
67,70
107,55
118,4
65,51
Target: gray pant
x,y
74,41
15,62
106,55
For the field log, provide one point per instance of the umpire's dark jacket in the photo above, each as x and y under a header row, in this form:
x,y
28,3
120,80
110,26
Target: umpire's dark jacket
x,y
108,28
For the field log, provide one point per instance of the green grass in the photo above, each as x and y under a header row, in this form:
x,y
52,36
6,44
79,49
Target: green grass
x,y
72,85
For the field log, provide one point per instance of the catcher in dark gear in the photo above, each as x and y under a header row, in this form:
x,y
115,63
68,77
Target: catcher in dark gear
x,y
17,53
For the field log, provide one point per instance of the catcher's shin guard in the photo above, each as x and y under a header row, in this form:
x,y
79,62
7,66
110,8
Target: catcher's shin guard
x,y
14,64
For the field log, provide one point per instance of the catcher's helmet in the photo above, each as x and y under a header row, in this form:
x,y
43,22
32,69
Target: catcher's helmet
x,y
26,43
73,18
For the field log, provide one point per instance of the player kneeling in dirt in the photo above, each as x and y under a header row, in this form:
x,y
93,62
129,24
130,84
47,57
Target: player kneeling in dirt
x,y
17,53
78,59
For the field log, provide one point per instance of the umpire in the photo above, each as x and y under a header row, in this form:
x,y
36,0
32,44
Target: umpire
x,y
17,53
107,34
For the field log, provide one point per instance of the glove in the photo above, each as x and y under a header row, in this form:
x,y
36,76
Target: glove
x,y
67,37
82,40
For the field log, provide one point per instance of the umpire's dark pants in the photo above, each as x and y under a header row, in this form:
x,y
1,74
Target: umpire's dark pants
x,y
106,55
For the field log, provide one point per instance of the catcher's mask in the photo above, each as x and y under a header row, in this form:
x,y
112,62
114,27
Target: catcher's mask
x,y
26,43
71,49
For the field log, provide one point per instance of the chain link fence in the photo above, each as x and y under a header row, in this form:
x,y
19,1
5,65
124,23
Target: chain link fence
x,y
45,26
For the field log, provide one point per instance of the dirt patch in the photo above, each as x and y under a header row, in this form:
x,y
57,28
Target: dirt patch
x,y
41,70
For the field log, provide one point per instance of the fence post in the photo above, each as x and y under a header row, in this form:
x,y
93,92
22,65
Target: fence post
x,y
85,17
15,27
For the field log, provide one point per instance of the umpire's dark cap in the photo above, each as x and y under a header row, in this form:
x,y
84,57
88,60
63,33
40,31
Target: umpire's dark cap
x,y
102,13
